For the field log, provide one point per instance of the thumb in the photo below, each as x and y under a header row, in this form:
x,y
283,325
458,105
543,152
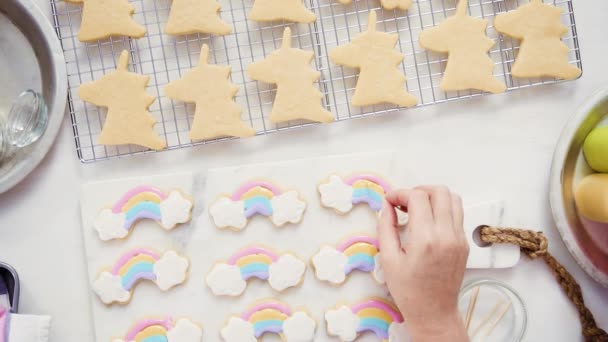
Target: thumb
x,y
388,234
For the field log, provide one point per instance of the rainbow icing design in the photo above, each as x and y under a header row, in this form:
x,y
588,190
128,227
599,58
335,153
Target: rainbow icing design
x,y
362,253
257,198
342,194
165,271
230,278
371,315
163,330
142,202
269,317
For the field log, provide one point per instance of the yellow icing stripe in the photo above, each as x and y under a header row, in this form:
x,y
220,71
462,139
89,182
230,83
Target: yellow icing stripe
x,y
257,191
361,247
153,330
135,260
267,315
141,197
365,184
375,313
248,259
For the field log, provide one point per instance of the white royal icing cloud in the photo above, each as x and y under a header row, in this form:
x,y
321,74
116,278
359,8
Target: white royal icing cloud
x,y
287,207
226,280
109,288
170,270
342,323
174,209
185,331
378,270
286,272
329,265
336,194
238,330
228,214
299,328
110,226
397,332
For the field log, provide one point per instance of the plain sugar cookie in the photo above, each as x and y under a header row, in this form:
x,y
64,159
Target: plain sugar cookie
x,y
464,39
273,10
541,53
196,16
373,53
374,315
124,94
208,86
230,277
164,329
117,284
273,317
289,68
105,18
388,4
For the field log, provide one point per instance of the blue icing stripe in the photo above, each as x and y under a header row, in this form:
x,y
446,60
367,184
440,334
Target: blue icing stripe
x,y
255,268
155,338
378,326
360,261
136,271
148,206
258,205
365,192
274,325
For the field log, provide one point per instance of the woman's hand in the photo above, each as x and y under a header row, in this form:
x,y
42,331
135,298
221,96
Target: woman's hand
x,y
424,274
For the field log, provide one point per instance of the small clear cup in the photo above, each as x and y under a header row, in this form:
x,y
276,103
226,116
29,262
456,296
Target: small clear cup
x,y
27,119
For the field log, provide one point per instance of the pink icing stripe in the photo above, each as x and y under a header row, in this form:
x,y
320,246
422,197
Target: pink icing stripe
x,y
273,305
351,241
146,323
250,185
3,325
371,178
117,208
127,256
374,303
252,250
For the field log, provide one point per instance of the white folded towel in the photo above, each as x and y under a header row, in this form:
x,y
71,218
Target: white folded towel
x,y
27,328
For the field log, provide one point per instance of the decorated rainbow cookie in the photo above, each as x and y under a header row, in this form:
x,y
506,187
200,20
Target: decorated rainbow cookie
x,y
342,194
253,198
357,253
142,202
269,316
165,271
230,278
375,315
163,330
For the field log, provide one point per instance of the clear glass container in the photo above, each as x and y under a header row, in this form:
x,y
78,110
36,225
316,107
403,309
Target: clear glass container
x,y
4,145
492,312
27,119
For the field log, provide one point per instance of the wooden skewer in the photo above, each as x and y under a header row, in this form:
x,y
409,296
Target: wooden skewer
x,y
471,308
485,320
500,316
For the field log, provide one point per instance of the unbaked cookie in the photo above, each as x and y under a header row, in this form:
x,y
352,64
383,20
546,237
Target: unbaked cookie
x,y
273,10
117,284
373,53
165,329
124,94
388,4
216,112
289,68
229,278
374,315
105,18
541,53
257,198
464,39
196,16
270,316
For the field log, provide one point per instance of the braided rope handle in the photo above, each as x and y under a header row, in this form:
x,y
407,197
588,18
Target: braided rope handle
x,y
535,245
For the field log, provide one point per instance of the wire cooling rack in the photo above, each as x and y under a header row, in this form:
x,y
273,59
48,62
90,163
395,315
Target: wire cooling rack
x,y
167,58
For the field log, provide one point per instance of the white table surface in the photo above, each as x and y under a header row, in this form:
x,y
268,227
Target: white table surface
x,y
499,146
